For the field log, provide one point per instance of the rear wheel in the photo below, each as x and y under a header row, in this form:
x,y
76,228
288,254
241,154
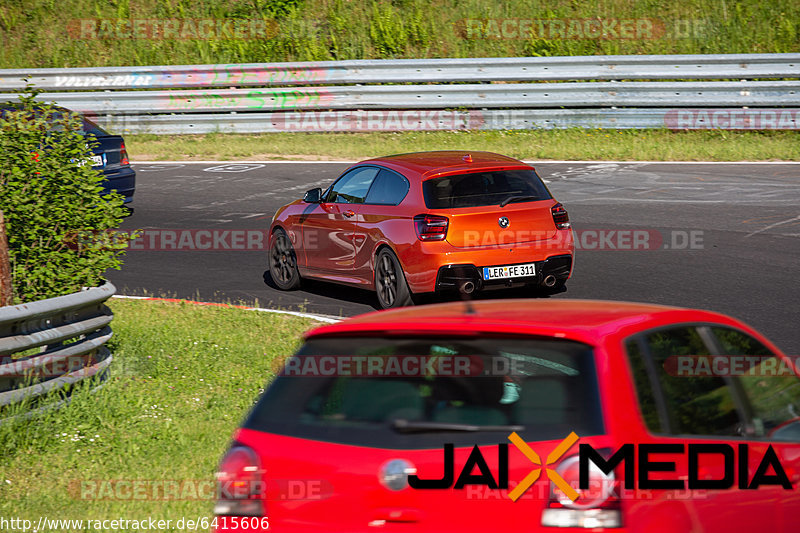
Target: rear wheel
x,y
283,262
390,282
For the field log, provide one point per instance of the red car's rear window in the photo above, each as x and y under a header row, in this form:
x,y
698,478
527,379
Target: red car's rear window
x,y
477,189
421,392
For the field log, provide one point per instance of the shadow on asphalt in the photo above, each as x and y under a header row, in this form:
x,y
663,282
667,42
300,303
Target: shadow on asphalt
x,y
365,297
331,290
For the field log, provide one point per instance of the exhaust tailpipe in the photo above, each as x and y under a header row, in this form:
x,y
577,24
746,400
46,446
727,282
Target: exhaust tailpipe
x,y
549,281
467,287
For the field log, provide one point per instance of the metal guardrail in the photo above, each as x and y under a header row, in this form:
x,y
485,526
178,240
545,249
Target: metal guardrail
x,y
426,120
70,331
517,95
551,91
643,67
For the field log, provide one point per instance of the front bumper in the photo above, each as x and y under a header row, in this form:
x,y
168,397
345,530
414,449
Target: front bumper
x,y
451,277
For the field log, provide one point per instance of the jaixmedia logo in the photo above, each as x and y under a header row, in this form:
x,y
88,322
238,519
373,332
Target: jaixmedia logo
x,y
641,466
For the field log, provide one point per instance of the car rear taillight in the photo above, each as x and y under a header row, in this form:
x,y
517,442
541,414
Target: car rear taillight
x,y
239,484
560,216
431,227
123,155
597,506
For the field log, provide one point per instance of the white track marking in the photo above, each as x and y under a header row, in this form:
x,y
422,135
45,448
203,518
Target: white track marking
x,y
776,224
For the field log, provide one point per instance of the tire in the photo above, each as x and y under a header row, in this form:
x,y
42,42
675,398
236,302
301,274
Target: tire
x,y
390,282
283,262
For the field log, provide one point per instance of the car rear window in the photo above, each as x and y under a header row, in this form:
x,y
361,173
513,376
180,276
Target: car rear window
x,y
478,189
90,127
408,393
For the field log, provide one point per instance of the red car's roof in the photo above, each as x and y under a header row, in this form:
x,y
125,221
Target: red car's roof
x,y
428,163
585,320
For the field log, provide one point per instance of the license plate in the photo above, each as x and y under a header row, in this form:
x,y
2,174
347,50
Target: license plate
x,y
95,160
510,271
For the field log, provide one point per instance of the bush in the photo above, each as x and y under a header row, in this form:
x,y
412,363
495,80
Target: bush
x,y
50,195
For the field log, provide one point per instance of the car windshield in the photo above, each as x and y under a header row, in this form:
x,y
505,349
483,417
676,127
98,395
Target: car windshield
x,y
416,393
478,189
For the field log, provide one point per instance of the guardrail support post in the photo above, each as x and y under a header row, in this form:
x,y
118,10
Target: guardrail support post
x,y
6,293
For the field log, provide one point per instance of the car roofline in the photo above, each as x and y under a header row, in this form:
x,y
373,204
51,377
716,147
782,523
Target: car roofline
x,y
429,322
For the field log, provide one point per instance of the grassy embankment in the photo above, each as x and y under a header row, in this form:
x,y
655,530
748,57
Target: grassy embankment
x,y
573,144
45,33
183,377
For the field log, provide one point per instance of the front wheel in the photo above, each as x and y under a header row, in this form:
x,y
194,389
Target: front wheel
x,y
390,282
283,262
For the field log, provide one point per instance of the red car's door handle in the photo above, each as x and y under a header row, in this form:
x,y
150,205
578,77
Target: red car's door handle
x,y
395,514
348,214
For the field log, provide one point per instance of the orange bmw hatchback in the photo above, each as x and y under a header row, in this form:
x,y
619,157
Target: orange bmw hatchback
x,y
409,224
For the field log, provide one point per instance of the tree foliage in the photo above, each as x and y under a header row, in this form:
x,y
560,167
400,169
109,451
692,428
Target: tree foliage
x,y
53,203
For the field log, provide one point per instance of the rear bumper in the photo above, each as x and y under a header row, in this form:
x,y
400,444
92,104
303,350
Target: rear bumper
x,y
439,266
121,180
451,277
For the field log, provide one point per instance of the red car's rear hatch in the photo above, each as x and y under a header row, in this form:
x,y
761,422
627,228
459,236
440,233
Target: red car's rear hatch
x,y
493,226
319,486
349,418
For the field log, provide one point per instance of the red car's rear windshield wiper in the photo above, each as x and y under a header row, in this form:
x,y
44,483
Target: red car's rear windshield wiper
x,y
410,426
517,199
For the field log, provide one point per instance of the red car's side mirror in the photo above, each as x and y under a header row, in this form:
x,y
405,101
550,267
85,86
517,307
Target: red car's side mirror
x,y
313,196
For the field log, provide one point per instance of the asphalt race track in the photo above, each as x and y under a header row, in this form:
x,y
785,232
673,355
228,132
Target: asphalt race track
x,y
724,237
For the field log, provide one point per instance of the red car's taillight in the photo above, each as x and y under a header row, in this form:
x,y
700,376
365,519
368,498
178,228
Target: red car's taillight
x,y
240,484
123,155
560,216
597,507
431,227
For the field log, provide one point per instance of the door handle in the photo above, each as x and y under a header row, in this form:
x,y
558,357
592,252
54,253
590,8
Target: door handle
x,y
348,214
397,514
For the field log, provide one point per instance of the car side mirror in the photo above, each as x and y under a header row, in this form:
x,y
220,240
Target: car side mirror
x,y
313,196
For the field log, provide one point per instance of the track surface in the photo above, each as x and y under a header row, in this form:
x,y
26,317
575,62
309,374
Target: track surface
x,y
745,260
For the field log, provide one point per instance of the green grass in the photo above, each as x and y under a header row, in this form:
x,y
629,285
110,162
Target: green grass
x,y
183,378
571,144
36,33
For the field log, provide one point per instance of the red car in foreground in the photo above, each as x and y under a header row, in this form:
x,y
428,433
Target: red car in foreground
x,y
485,416
425,222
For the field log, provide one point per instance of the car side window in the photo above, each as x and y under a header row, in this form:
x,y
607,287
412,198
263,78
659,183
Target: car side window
x,y
644,390
389,188
681,403
353,186
771,388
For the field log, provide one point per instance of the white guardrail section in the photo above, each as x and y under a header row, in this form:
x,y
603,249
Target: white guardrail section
x,y
68,333
734,91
